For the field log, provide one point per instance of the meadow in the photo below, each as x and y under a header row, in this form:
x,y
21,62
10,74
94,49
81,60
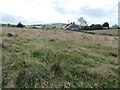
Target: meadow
x,y
56,58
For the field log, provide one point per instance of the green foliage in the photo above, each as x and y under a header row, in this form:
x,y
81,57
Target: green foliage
x,y
32,78
92,27
96,27
106,24
20,25
8,25
56,68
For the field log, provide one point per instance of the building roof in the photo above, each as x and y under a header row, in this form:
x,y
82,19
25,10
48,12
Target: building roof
x,y
72,26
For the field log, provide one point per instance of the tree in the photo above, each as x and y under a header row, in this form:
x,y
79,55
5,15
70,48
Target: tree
x,y
8,25
106,24
86,27
96,26
20,25
82,21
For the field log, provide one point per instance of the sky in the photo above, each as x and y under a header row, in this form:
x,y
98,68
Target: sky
x,y
58,11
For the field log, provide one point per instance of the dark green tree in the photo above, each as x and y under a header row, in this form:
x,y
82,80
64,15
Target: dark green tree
x,y
106,24
20,25
96,26
9,25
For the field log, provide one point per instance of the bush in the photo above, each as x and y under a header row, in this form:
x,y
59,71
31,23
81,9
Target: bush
x,y
12,35
92,27
20,25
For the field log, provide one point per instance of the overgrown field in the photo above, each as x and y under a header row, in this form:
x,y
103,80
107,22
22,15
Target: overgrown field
x,y
37,58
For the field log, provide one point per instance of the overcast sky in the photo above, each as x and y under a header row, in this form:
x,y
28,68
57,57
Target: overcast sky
x,y
58,11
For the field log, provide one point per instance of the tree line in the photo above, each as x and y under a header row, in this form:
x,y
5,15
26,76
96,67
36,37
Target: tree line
x,y
83,25
20,25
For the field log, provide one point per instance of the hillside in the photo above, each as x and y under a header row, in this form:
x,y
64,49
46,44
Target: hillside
x,y
39,58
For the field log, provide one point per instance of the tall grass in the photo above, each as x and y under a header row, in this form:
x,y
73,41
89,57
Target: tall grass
x,y
55,61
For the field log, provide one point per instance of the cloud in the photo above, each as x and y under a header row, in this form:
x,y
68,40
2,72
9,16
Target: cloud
x,y
49,11
100,14
9,18
61,10
93,12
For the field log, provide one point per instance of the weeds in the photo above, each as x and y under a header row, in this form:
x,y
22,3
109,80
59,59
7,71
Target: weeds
x,y
32,61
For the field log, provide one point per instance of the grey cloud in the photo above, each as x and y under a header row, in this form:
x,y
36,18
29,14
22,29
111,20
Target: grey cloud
x,y
6,18
96,15
59,5
9,18
96,12
93,12
61,10
100,14
12,19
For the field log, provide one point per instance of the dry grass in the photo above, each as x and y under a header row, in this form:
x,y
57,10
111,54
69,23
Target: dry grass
x,y
65,35
108,31
58,58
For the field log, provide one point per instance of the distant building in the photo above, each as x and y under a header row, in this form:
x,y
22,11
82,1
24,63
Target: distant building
x,y
72,26
115,26
105,27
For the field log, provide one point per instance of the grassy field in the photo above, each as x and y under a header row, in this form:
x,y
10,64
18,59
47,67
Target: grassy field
x,y
38,58
107,31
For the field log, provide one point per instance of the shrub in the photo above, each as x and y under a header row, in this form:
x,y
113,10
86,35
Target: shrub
x,y
20,25
12,35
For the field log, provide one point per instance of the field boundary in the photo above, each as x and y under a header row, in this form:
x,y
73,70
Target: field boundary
x,y
106,34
